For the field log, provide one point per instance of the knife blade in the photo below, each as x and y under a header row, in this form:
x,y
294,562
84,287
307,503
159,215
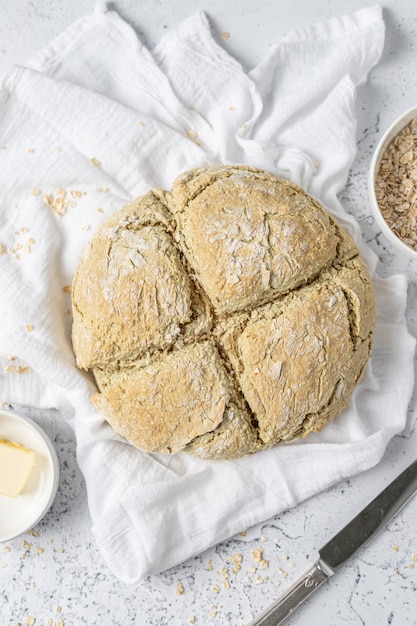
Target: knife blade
x,y
343,545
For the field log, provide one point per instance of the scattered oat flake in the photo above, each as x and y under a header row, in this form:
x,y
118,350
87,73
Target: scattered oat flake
x,y
210,564
264,539
58,203
395,548
40,550
191,620
31,150
414,556
236,560
95,162
192,134
232,108
67,289
100,210
36,192
6,549
215,588
257,554
264,564
180,589
411,566
50,621
86,227
60,623
29,328
58,608
243,533
225,35
30,621
22,369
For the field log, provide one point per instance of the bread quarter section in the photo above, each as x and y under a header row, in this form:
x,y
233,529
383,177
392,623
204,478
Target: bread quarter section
x,y
298,360
165,405
250,236
131,292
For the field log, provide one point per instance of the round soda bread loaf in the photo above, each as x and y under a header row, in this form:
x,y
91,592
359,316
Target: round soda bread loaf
x,y
224,317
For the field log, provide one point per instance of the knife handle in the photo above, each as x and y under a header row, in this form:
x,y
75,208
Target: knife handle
x,y
277,612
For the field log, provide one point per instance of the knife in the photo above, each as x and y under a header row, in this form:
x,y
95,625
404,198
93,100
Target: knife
x,y
343,545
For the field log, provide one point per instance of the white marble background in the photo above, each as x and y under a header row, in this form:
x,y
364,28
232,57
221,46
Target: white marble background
x,y
56,575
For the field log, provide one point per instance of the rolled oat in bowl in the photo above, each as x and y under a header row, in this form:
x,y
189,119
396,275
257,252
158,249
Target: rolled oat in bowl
x,y
396,184
393,183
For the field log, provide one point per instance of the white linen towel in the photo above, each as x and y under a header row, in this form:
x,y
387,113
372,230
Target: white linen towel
x,y
97,119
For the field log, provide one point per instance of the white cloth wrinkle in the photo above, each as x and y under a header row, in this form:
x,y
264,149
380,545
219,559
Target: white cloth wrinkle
x,y
96,119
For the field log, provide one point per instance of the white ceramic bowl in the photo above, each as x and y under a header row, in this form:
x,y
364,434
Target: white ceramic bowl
x,y
385,140
18,515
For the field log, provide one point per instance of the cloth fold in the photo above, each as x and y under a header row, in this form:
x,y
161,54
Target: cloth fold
x,y
94,120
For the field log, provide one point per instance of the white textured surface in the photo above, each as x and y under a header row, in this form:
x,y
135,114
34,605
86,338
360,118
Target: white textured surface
x,y
378,586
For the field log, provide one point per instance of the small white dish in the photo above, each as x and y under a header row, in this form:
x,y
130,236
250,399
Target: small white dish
x,y
390,134
18,515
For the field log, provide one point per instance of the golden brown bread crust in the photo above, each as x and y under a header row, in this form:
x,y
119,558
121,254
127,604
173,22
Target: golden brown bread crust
x,y
227,316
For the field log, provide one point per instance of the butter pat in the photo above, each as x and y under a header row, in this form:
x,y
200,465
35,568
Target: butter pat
x,y
16,463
